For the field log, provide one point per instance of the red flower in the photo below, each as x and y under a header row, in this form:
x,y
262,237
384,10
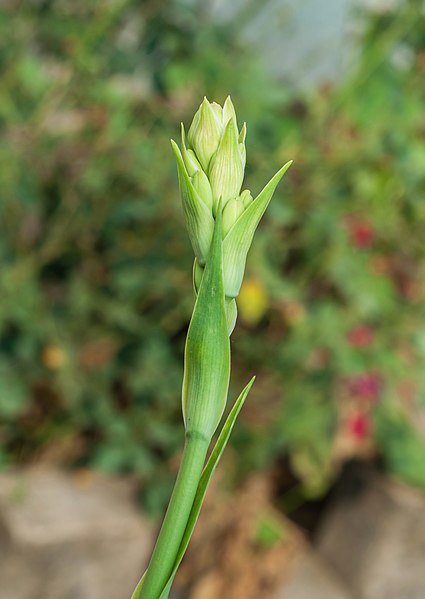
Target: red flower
x,y
358,426
361,231
360,336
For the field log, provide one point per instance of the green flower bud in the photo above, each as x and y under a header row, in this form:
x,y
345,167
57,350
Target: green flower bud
x,y
232,211
218,111
198,215
205,132
203,187
231,315
228,112
196,174
189,157
234,208
190,162
246,198
227,166
211,171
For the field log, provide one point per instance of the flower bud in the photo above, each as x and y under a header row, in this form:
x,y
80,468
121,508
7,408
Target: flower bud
x,y
218,111
246,198
227,168
228,112
203,187
189,158
211,170
232,210
205,133
190,162
198,215
231,315
197,176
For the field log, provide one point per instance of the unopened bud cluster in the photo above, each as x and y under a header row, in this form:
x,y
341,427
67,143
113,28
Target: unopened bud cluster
x,y
215,156
211,165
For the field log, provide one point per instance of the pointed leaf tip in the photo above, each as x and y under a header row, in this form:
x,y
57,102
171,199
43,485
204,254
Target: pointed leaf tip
x,y
207,474
238,240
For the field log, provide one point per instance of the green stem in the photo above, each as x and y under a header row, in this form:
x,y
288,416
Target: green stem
x,y
176,517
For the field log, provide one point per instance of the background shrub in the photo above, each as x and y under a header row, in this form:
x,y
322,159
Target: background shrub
x,y
96,267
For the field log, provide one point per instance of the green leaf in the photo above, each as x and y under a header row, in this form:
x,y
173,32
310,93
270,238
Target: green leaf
x,y
238,240
14,395
207,473
207,352
136,592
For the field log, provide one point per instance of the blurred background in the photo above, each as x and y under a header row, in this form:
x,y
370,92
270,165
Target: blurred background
x,y
95,275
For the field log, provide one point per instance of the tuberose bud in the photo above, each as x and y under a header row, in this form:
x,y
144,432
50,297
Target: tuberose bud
x,y
205,133
190,161
211,172
203,187
229,113
246,198
198,215
232,211
226,169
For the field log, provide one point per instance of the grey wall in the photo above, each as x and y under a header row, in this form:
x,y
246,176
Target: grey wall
x,y
307,40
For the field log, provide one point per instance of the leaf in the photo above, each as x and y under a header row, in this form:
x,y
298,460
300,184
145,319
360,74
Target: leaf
x,y
14,395
207,351
207,473
136,592
238,240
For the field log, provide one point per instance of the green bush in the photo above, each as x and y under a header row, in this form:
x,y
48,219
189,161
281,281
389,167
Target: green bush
x,y
95,278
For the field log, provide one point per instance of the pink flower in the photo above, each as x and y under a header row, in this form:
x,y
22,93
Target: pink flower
x,y
366,386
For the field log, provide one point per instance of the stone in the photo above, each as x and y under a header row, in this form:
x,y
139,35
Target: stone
x,y
311,577
374,538
67,536
242,546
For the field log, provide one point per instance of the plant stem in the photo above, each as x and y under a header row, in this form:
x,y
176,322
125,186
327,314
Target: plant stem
x,y
175,520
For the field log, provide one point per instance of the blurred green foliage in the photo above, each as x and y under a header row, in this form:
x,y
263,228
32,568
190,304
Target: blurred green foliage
x,y
96,266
